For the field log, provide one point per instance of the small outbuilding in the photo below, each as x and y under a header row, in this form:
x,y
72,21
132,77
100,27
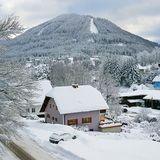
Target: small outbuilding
x,y
156,82
74,105
112,127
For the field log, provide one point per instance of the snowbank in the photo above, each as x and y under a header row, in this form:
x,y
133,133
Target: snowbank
x,y
95,148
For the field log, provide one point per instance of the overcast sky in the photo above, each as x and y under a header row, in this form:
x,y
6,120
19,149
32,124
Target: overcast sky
x,y
140,17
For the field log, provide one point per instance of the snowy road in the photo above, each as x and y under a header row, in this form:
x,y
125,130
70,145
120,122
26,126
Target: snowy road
x,y
6,154
33,149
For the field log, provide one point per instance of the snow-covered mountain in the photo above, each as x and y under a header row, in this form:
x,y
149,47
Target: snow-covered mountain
x,y
73,34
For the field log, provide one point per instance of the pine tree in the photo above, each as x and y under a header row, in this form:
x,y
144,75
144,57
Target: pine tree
x,y
111,66
130,73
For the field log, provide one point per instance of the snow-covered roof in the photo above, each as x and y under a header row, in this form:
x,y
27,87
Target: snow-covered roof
x,y
147,93
154,94
110,125
138,87
82,99
135,100
148,67
135,93
156,79
43,86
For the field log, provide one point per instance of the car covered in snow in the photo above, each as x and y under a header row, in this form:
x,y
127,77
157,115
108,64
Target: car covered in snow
x,y
57,137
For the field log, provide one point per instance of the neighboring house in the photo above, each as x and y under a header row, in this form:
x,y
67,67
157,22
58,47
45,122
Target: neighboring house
x,y
156,82
134,95
153,99
144,69
133,98
144,98
74,105
43,86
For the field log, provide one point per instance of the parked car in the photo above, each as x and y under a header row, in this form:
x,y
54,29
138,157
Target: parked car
x,y
57,137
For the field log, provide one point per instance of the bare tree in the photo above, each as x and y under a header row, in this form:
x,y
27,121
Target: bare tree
x,y
66,74
10,27
107,86
16,92
16,83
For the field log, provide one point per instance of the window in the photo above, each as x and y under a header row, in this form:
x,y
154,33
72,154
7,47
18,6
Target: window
x,y
87,120
56,119
48,116
33,110
56,107
53,118
72,122
103,111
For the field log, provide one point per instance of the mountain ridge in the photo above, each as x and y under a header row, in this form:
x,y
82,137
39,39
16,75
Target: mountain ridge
x,y
70,34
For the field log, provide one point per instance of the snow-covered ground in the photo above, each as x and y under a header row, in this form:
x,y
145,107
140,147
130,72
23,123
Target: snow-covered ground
x,y
133,143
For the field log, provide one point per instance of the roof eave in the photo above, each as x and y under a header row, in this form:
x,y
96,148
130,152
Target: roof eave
x,y
83,111
44,105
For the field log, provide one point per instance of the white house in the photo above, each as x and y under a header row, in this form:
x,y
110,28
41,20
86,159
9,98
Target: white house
x,y
43,86
74,105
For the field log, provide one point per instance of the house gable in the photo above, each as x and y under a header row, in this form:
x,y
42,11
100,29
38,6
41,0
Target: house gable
x,y
52,115
44,105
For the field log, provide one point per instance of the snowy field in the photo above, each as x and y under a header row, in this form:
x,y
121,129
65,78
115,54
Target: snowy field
x,y
133,143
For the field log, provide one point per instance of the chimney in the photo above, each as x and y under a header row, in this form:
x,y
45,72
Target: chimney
x,y
75,85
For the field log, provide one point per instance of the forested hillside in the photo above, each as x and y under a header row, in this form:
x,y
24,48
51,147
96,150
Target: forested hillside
x,y
73,34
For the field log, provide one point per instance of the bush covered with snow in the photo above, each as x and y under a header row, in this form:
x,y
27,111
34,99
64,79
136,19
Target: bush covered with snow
x,y
81,128
155,127
32,117
155,137
115,111
143,115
